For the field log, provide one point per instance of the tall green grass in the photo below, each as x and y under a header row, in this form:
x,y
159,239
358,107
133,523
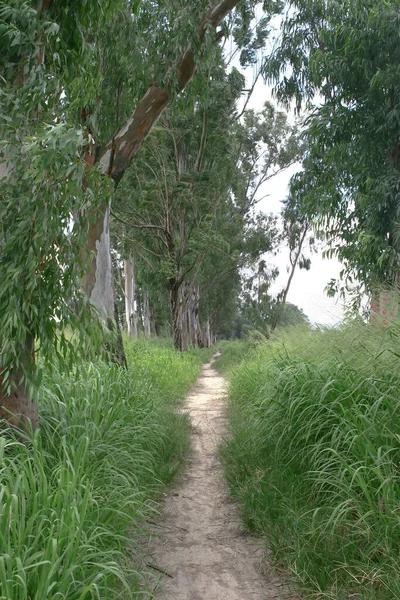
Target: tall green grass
x,y
232,354
314,458
73,499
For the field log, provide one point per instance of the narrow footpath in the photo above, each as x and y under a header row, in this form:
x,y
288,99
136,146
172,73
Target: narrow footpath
x,y
200,544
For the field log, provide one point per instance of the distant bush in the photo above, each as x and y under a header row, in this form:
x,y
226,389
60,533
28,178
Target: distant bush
x,y
232,354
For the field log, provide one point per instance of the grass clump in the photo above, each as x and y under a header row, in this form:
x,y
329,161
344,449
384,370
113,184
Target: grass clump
x,y
72,499
314,458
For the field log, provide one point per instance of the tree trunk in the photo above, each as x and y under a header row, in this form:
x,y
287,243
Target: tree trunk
x,y
130,296
139,311
384,307
200,340
196,337
97,283
292,272
153,321
179,317
192,318
146,313
17,408
207,334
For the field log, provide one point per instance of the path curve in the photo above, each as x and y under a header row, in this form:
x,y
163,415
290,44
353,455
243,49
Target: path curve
x,y
200,542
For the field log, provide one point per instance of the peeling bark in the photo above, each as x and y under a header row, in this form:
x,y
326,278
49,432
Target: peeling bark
x,y
196,338
153,319
97,281
178,305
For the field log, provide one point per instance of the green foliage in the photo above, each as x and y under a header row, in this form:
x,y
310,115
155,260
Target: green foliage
x,y
74,497
175,203
71,73
313,457
288,315
341,59
48,74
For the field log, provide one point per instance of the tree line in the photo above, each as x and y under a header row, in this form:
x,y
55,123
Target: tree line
x,y
95,233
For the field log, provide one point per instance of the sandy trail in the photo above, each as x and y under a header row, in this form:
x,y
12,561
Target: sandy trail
x,y
200,542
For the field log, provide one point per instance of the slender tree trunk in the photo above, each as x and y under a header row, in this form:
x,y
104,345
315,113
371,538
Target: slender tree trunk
x,y
153,322
139,309
183,302
146,312
97,282
207,334
196,336
292,272
130,296
192,318
199,331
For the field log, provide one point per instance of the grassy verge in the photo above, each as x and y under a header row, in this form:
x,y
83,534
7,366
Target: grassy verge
x,y
72,500
314,456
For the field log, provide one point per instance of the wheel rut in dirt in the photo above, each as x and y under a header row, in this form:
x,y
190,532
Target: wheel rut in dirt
x,y
200,543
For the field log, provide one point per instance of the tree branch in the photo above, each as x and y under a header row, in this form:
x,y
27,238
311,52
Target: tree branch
x,y
115,157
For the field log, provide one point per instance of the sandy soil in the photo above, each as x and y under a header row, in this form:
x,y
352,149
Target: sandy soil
x,y
200,544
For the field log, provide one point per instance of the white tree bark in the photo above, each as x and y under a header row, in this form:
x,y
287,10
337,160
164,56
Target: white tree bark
x,y
130,296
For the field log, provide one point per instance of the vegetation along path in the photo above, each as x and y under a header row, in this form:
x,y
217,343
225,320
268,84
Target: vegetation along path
x,y
200,543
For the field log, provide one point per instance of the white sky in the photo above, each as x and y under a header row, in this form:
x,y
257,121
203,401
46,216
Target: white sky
x,y
307,289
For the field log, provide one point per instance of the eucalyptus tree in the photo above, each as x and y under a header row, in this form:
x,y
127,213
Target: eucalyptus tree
x,y
171,195
47,75
297,234
340,60
62,154
141,78
267,145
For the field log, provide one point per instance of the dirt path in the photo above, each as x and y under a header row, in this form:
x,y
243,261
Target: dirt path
x,y
200,541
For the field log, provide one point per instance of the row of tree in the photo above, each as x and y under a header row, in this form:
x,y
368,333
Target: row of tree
x,y
91,227
82,86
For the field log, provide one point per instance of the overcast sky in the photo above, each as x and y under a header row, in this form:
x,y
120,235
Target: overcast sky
x,y
307,289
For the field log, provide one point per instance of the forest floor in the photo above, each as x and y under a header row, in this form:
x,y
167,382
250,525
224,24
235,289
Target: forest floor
x,y
199,542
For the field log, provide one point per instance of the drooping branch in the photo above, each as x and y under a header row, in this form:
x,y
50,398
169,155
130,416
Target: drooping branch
x,y
115,157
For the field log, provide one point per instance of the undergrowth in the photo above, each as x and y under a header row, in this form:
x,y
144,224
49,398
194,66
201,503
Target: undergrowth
x,y
314,455
73,499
